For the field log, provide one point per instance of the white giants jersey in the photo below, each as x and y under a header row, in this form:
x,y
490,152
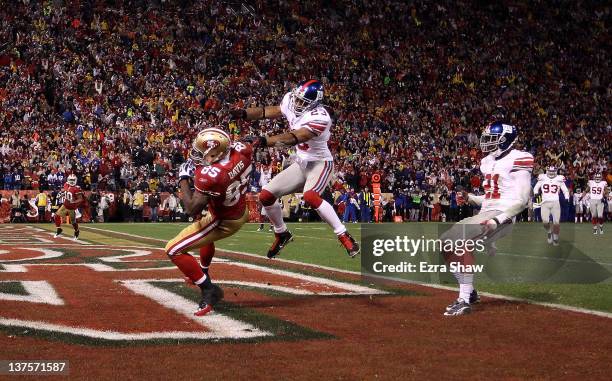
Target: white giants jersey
x,y
501,190
318,122
597,189
551,187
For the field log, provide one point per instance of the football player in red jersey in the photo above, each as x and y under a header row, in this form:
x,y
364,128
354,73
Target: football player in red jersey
x,y
73,198
219,171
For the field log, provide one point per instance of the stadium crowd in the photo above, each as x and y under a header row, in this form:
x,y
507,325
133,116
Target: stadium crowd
x,y
114,91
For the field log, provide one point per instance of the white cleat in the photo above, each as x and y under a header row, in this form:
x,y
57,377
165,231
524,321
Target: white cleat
x,y
58,233
549,239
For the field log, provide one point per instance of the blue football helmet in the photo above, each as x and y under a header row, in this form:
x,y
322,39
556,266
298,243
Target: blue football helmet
x,y
497,138
551,171
306,96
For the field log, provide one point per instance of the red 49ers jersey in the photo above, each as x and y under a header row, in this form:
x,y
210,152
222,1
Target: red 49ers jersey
x,y
226,181
71,192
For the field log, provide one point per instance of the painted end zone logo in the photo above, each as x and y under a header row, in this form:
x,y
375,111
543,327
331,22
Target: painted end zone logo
x,y
97,294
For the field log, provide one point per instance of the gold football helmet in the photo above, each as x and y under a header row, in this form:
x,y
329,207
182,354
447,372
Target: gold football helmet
x,y
209,146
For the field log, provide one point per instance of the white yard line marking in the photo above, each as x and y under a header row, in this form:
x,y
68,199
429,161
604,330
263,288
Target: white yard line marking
x,y
353,288
120,336
220,326
490,295
38,291
13,269
46,254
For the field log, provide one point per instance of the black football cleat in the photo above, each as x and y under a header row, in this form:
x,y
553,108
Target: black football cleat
x,y
474,298
211,295
281,239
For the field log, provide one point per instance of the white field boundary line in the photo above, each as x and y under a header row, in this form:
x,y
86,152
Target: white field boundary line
x,y
435,286
500,297
10,230
219,325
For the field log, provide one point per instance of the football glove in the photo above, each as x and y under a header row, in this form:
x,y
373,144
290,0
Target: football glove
x,y
186,170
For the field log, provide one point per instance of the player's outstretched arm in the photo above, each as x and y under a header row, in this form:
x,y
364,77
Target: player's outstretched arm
x,y
289,138
256,113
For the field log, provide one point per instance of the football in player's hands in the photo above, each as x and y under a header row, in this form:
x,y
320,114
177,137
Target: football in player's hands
x,y
186,170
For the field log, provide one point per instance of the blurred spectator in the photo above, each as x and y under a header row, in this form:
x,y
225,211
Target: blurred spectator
x,y
125,205
103,208
138,205
171,203
42,201
154,202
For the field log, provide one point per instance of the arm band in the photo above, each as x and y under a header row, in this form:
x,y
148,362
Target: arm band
x,y
294,138
263,112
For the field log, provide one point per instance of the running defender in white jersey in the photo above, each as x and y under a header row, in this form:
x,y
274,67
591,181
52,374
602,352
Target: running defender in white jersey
x,y
309,130
551,185
597,190
507,186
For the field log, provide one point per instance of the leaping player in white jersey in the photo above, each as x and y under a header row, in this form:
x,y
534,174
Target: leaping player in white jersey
x,y
597,189
507,186
310,128
551,185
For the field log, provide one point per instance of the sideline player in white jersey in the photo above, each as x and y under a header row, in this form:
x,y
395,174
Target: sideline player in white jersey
x,y
577,198
551,185
507,186
310,128
597,189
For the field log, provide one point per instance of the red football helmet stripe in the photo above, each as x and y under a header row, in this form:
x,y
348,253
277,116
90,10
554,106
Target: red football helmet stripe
x,y
308,83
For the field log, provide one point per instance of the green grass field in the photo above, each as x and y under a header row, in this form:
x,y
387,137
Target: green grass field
x,y
574,274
